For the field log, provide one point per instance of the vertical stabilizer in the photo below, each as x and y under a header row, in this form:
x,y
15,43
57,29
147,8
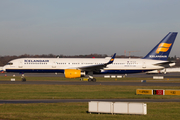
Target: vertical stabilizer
x,y
162,49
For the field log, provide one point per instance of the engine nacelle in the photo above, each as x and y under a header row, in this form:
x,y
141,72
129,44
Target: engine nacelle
x,y
172,64
73,73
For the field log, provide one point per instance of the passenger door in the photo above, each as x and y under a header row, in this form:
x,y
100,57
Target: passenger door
x,y
144,65
54,65
20,64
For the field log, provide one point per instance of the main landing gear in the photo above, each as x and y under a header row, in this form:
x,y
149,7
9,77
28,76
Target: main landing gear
x,y
91,79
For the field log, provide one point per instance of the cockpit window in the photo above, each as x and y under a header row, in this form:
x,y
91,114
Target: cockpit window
x,y
9,63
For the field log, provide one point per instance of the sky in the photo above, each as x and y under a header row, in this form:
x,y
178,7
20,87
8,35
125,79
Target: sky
x,y
79,27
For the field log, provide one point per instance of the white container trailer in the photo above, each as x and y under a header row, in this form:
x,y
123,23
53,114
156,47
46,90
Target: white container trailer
x,y
93,106
118,107
137,108
105,107
121,107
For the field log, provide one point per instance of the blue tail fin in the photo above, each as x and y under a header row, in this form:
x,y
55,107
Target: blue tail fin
x,y
162,49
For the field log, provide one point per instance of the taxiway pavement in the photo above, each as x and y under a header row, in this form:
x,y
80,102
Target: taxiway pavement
x,y
85,100
92,83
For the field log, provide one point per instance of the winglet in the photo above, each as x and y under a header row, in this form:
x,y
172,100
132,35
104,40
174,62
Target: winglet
x,y
112,59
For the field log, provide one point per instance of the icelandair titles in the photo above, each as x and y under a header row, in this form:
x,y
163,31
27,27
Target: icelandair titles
x,y
158,56
36,60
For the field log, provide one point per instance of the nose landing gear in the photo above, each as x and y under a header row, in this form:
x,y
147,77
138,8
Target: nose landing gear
x,y
23,78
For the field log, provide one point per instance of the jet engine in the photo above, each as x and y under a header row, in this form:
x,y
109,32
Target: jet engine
x,y
73,73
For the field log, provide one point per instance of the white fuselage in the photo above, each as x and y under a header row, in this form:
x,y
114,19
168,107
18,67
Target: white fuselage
x,y
60,64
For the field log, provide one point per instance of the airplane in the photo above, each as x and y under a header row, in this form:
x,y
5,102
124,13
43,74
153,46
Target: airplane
x,y
156,59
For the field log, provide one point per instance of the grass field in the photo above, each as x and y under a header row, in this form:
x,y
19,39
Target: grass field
x,y
15,91
78,111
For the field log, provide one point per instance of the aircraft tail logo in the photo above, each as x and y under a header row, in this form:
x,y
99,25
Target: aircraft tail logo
x,y
163,47
112,59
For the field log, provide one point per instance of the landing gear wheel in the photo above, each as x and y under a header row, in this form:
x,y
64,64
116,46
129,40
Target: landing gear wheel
x,y
94,79
23,79
89,80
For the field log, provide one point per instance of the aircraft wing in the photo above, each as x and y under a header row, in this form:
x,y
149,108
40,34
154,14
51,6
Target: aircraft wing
x,y
97,67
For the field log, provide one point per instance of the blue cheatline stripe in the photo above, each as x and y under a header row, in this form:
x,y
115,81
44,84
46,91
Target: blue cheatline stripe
x,y
62,71
35,70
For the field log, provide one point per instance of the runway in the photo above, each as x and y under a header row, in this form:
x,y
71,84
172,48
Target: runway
x,y
92,83
84,100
